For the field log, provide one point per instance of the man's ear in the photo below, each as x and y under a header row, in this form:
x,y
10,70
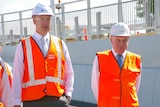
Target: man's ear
x,y
110,37
33,17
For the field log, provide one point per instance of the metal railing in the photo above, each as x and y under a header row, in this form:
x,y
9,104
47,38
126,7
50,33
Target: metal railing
x,y
90,20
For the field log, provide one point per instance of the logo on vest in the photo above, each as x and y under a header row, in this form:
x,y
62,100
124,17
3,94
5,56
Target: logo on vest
x,y
51,56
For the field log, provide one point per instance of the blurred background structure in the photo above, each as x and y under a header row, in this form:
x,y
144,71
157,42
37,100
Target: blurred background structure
x,y
85,19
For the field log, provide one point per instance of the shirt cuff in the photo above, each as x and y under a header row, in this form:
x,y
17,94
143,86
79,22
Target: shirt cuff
x,y
68,94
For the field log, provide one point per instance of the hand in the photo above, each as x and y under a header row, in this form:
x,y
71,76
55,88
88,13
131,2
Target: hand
x,y
65,98
68,97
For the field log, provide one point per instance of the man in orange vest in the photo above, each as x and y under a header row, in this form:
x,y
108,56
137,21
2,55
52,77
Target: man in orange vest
x,y
5,84
43,73
116,72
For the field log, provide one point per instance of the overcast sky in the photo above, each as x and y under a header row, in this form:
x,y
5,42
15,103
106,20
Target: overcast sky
x,y
16,5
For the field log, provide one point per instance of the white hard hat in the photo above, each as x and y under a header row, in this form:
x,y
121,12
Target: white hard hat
x,y
41,9
120,29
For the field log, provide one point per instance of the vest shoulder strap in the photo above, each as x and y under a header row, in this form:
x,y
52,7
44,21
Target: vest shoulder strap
x,y
60,41
134,54
106,52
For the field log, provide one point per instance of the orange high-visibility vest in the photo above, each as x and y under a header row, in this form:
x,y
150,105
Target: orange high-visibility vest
x,y
1,74
42,76
116,86
4,68
9,73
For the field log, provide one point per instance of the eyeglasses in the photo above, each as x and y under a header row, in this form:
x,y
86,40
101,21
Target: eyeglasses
x,y
42,19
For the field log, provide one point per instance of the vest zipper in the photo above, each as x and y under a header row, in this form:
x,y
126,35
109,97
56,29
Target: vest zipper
x,y
120,89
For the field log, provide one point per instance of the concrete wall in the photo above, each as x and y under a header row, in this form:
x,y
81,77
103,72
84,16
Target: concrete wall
x,y
82,55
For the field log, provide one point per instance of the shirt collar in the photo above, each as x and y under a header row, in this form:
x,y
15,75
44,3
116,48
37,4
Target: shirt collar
x,y
38,36
115,54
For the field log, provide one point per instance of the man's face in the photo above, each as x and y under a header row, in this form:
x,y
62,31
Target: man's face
x,y
119,43
42,23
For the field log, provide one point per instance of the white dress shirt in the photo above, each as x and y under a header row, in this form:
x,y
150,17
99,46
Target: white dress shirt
x,y
5,88
19,68
95,75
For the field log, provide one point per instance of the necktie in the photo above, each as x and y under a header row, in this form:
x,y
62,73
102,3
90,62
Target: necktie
x,y
44,46
119,59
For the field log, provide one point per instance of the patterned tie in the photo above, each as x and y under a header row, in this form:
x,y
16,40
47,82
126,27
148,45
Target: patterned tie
x,y
44,46
119,59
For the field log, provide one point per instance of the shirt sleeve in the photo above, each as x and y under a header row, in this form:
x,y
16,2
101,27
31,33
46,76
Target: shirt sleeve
x,y
95,78
17,75
138,80
69,73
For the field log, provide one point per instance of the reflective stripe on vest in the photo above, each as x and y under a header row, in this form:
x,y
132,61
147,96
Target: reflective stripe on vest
x,y
34,82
